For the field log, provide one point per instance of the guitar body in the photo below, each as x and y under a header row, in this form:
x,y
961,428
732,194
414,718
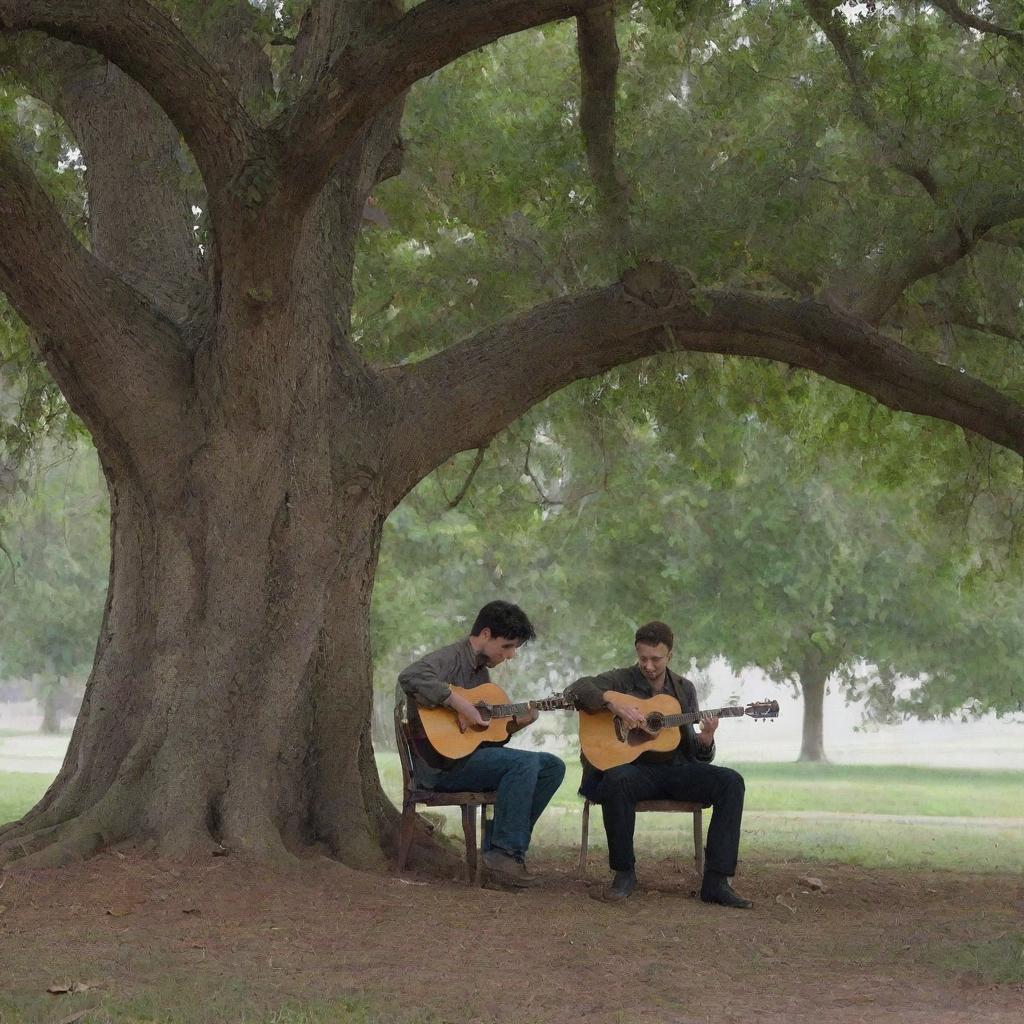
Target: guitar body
x,y
606,743
442,724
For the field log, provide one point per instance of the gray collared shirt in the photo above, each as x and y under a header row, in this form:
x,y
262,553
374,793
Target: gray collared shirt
x,y
428,682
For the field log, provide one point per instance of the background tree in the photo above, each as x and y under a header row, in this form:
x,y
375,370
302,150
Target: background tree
x,y
51,598
256,427
815,566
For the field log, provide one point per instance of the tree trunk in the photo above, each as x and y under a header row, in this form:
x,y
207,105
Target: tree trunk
x,y
812,684
50,702
229,703
230,698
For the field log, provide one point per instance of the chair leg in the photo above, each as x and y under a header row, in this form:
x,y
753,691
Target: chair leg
x,y
478,874
405,834
581,869
698,842
469,831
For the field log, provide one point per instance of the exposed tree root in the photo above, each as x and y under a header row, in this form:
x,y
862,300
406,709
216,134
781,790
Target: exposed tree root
x,y
55,845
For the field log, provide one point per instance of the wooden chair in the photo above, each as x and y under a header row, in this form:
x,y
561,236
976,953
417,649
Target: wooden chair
x,y
413,795
676,806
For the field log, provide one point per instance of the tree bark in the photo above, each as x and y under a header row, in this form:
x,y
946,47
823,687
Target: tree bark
x,y
813,681
50,702
229,703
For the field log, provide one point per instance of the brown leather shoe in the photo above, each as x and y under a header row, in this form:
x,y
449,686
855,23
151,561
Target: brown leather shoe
x,y
508,868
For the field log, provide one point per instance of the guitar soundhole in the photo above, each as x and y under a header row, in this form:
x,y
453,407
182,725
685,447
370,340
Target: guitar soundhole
x,y
485,712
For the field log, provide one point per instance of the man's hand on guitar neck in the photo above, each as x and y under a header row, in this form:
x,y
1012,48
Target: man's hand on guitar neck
x,y
522,721
466,710
706,735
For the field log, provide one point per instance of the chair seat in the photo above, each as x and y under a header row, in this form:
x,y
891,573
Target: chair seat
x,y
434,798
670,805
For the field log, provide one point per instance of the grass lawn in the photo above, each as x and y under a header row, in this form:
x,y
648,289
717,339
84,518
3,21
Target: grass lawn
x,y
853,789
780,821
19,791
787,815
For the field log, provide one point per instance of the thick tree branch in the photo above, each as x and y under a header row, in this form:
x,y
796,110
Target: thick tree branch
x,y
968,19
892,147
231,42
147,45
104,344
598,52
872,290
365,78
652,311
140,222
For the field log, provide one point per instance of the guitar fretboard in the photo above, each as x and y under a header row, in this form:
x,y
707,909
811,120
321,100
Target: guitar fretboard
x,y
511,710
699,716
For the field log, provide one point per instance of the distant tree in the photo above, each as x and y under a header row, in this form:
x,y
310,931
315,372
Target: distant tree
x,y
51,598
768,553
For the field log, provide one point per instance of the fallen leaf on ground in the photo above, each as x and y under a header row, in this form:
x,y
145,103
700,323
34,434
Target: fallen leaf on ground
x,y
73,987
814,884
119,909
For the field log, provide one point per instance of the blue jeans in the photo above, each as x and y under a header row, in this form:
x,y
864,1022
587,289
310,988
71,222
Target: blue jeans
x,y
525,782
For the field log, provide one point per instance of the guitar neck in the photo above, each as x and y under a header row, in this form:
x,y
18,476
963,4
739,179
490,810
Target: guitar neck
x,y
511,710
699,716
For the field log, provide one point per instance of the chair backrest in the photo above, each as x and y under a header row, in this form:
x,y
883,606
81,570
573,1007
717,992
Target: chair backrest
x,y
403,744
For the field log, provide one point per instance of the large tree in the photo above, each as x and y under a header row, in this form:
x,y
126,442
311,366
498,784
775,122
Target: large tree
x,y
197,313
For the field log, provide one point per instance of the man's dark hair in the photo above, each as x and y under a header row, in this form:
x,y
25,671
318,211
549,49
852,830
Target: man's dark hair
x,y
655,633
505,619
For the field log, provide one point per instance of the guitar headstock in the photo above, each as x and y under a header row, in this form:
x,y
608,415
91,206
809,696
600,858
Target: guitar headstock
x,y
762,710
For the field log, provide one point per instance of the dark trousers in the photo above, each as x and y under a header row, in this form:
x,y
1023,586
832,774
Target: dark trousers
x,y
622,788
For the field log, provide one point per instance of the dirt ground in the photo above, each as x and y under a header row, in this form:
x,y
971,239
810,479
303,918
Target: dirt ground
x,y
874,945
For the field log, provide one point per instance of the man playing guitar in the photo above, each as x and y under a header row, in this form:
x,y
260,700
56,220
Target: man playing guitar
x,y
684,773
524,780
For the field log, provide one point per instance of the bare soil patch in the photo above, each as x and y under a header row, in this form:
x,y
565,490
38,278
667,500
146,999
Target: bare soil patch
x,y
874,945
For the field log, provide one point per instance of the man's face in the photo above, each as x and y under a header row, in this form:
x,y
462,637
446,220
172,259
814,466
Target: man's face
x,y
653,659
497,649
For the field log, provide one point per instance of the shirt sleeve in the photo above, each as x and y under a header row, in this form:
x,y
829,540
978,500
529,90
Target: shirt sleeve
x,y
588,692
701,752
426,680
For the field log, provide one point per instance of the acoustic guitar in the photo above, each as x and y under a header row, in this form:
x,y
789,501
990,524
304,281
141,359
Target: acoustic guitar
x,y
445,733
607,741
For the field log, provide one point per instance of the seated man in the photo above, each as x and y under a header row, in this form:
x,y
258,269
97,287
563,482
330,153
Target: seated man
x,y
681,774
524,780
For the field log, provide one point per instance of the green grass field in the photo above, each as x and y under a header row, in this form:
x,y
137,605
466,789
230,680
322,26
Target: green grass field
x,y
790,815
19,791
789,808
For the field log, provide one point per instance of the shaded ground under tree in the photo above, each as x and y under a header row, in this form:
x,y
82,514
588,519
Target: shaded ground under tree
x,y
920,947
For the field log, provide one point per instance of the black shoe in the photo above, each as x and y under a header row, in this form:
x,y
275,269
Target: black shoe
x,y
622,885
722,892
